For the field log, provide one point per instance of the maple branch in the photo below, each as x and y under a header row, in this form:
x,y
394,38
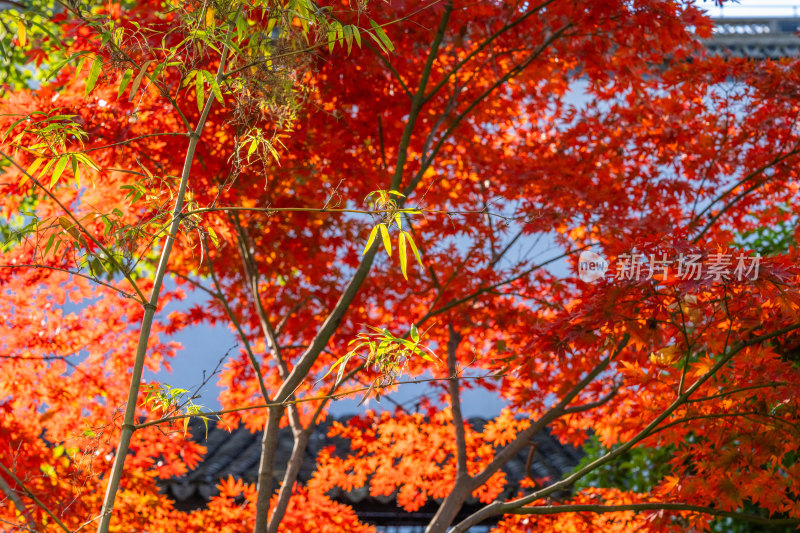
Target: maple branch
x,y
129,421
710,416
482,97
651,506
498,507
748,177
595,404
33,497
482,46
18,503
298,454
251,276
738,390
72,272
296,377
219,295
455,402
418,101
395,74
301,439
488,288
453,502
301,435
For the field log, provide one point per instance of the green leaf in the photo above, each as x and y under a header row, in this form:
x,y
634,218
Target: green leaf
x,y
414,248
11,128
59,169
401,245
356,35
348,37
384,39
331,40
372,235
198,87
94,73
214,86
58,66
75,171
80,64
386,241
49,244
241,27
414,333
123,83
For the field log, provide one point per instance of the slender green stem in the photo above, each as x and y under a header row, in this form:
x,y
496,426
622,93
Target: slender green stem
x,y
128,423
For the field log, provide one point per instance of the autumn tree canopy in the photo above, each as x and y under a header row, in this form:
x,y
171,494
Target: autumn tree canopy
x,y
366,194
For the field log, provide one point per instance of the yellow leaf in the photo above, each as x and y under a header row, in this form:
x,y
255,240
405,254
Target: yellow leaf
x,y
21,33
372,235
402,251
386,241
67,224
414,248
32,169
210,17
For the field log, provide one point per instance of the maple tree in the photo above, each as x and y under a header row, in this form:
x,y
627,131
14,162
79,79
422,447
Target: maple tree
x,y
357,192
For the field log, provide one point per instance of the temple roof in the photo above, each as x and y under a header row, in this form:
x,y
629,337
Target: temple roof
x,y
237,454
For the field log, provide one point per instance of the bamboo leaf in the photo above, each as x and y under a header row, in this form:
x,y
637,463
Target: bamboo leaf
x,y
214,86
138,80
49,244
32,169
384,39
22,34
75,171
123,83
59,169
414,248
401,250
11,128
348,37
210,12
414,333
94,73
69,227
200,94
372,235
386,241
252,148
331,40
